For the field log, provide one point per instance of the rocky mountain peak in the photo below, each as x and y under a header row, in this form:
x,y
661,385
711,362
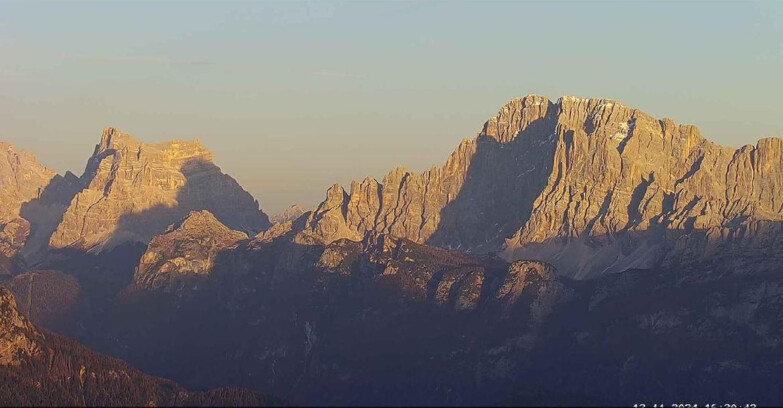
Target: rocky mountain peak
x,y
22,179
197,221
27,188
204,224
594,112
289,214
113,138
545,179
335,195
116,144
515,116
185,252
134,190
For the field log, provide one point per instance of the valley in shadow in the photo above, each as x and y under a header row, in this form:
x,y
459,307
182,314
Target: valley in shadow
x,y
371,329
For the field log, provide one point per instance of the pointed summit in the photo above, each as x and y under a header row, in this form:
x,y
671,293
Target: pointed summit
x,y
200,221
186,251
289,214
113,138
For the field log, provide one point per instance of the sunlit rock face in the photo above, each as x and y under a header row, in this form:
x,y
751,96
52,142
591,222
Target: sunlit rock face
x,y
482,195
31,205
589,185
627,187
134,190
22,180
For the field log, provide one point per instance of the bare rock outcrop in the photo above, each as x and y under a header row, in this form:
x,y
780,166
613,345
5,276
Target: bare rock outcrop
x,y
13,236
185,252
133,191
539,282
290,214
18,338
589,185
22,179
482,194
625,186
413,271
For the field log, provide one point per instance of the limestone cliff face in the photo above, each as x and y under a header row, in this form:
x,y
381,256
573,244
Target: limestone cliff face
x,y
31,204
589,185
617,168
185,252
22,180
133,191
478,198
626,186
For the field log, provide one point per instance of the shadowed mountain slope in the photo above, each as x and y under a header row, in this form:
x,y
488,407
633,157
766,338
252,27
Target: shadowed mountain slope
x,y
388,321
42,369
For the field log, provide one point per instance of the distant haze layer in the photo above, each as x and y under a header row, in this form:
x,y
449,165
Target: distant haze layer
x,y
292,97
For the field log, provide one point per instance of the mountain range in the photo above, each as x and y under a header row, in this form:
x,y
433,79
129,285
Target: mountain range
x,y
576,251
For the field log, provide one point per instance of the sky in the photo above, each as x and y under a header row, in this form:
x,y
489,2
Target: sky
x,y
295,96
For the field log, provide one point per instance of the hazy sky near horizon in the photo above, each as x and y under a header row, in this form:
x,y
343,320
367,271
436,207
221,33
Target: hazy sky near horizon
x,y
295,96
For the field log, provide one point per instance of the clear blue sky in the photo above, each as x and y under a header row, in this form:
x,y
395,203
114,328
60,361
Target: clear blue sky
x,y
293,97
